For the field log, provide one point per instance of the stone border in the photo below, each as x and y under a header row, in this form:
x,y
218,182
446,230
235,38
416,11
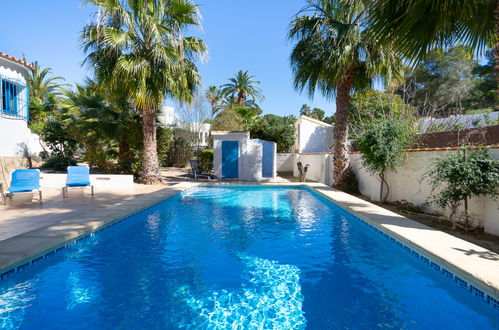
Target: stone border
x,y
474,264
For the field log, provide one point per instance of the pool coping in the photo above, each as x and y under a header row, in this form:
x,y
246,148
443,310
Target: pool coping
x,y
476,265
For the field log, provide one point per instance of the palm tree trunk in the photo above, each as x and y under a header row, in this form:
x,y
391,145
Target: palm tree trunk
x,y
125,154
150,165
340,148
496,55
241,96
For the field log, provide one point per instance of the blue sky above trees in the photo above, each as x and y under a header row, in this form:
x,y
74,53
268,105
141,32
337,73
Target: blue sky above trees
x,y
241,35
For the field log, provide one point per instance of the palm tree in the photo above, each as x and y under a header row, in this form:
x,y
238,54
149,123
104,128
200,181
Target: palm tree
x,y
43,89
214,95
104,120
241,86
334,53
417,26
140,46
420,25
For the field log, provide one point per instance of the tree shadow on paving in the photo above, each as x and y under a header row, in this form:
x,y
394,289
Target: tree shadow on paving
x,y
482,254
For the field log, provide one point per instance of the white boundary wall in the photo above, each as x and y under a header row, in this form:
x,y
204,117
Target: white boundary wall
x,y
409,183
284,162
111,181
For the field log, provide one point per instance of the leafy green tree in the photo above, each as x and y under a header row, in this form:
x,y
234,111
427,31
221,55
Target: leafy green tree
x,y
242,86
373,104
276,129
441,84
405,24
58,132
461,175
312,113
334,53
382,145
330,119
483,95
140,45
228,120
318,113
305,110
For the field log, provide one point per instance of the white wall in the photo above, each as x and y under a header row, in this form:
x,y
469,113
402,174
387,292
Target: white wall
x,y
313,138
111,181
13,71
15,136
284,162
318,170
252,159
409,183
167,116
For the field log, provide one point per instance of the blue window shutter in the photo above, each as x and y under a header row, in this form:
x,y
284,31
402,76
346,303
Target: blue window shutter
x,y
15,99
7,96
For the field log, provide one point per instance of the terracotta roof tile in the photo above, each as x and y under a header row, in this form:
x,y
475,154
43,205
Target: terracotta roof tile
x,y
12,58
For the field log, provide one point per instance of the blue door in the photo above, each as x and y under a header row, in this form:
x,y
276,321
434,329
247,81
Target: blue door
x,y
230,156
268,160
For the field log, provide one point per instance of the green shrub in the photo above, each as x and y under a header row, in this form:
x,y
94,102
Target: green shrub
x,y
382,143
352,185
180,150
164,140
206,160
403,205
59,163
462,175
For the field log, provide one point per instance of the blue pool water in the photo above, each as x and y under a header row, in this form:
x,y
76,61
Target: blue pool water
x,y
238,257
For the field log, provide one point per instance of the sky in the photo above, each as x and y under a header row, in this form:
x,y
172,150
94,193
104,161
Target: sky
x,y
241,35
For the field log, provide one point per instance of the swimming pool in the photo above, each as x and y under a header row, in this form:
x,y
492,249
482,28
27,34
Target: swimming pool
x,y
238,256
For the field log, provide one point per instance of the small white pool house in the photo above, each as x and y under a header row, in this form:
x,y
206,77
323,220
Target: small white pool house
x,y
238,157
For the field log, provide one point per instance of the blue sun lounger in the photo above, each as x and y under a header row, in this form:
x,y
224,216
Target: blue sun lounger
x,y
25,180
78,176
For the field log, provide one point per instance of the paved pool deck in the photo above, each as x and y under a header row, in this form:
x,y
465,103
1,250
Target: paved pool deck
x,y
29,231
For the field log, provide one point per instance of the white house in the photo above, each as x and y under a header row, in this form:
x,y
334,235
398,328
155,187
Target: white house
x,y
167,117
312,135
236,156
202,130
17,138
